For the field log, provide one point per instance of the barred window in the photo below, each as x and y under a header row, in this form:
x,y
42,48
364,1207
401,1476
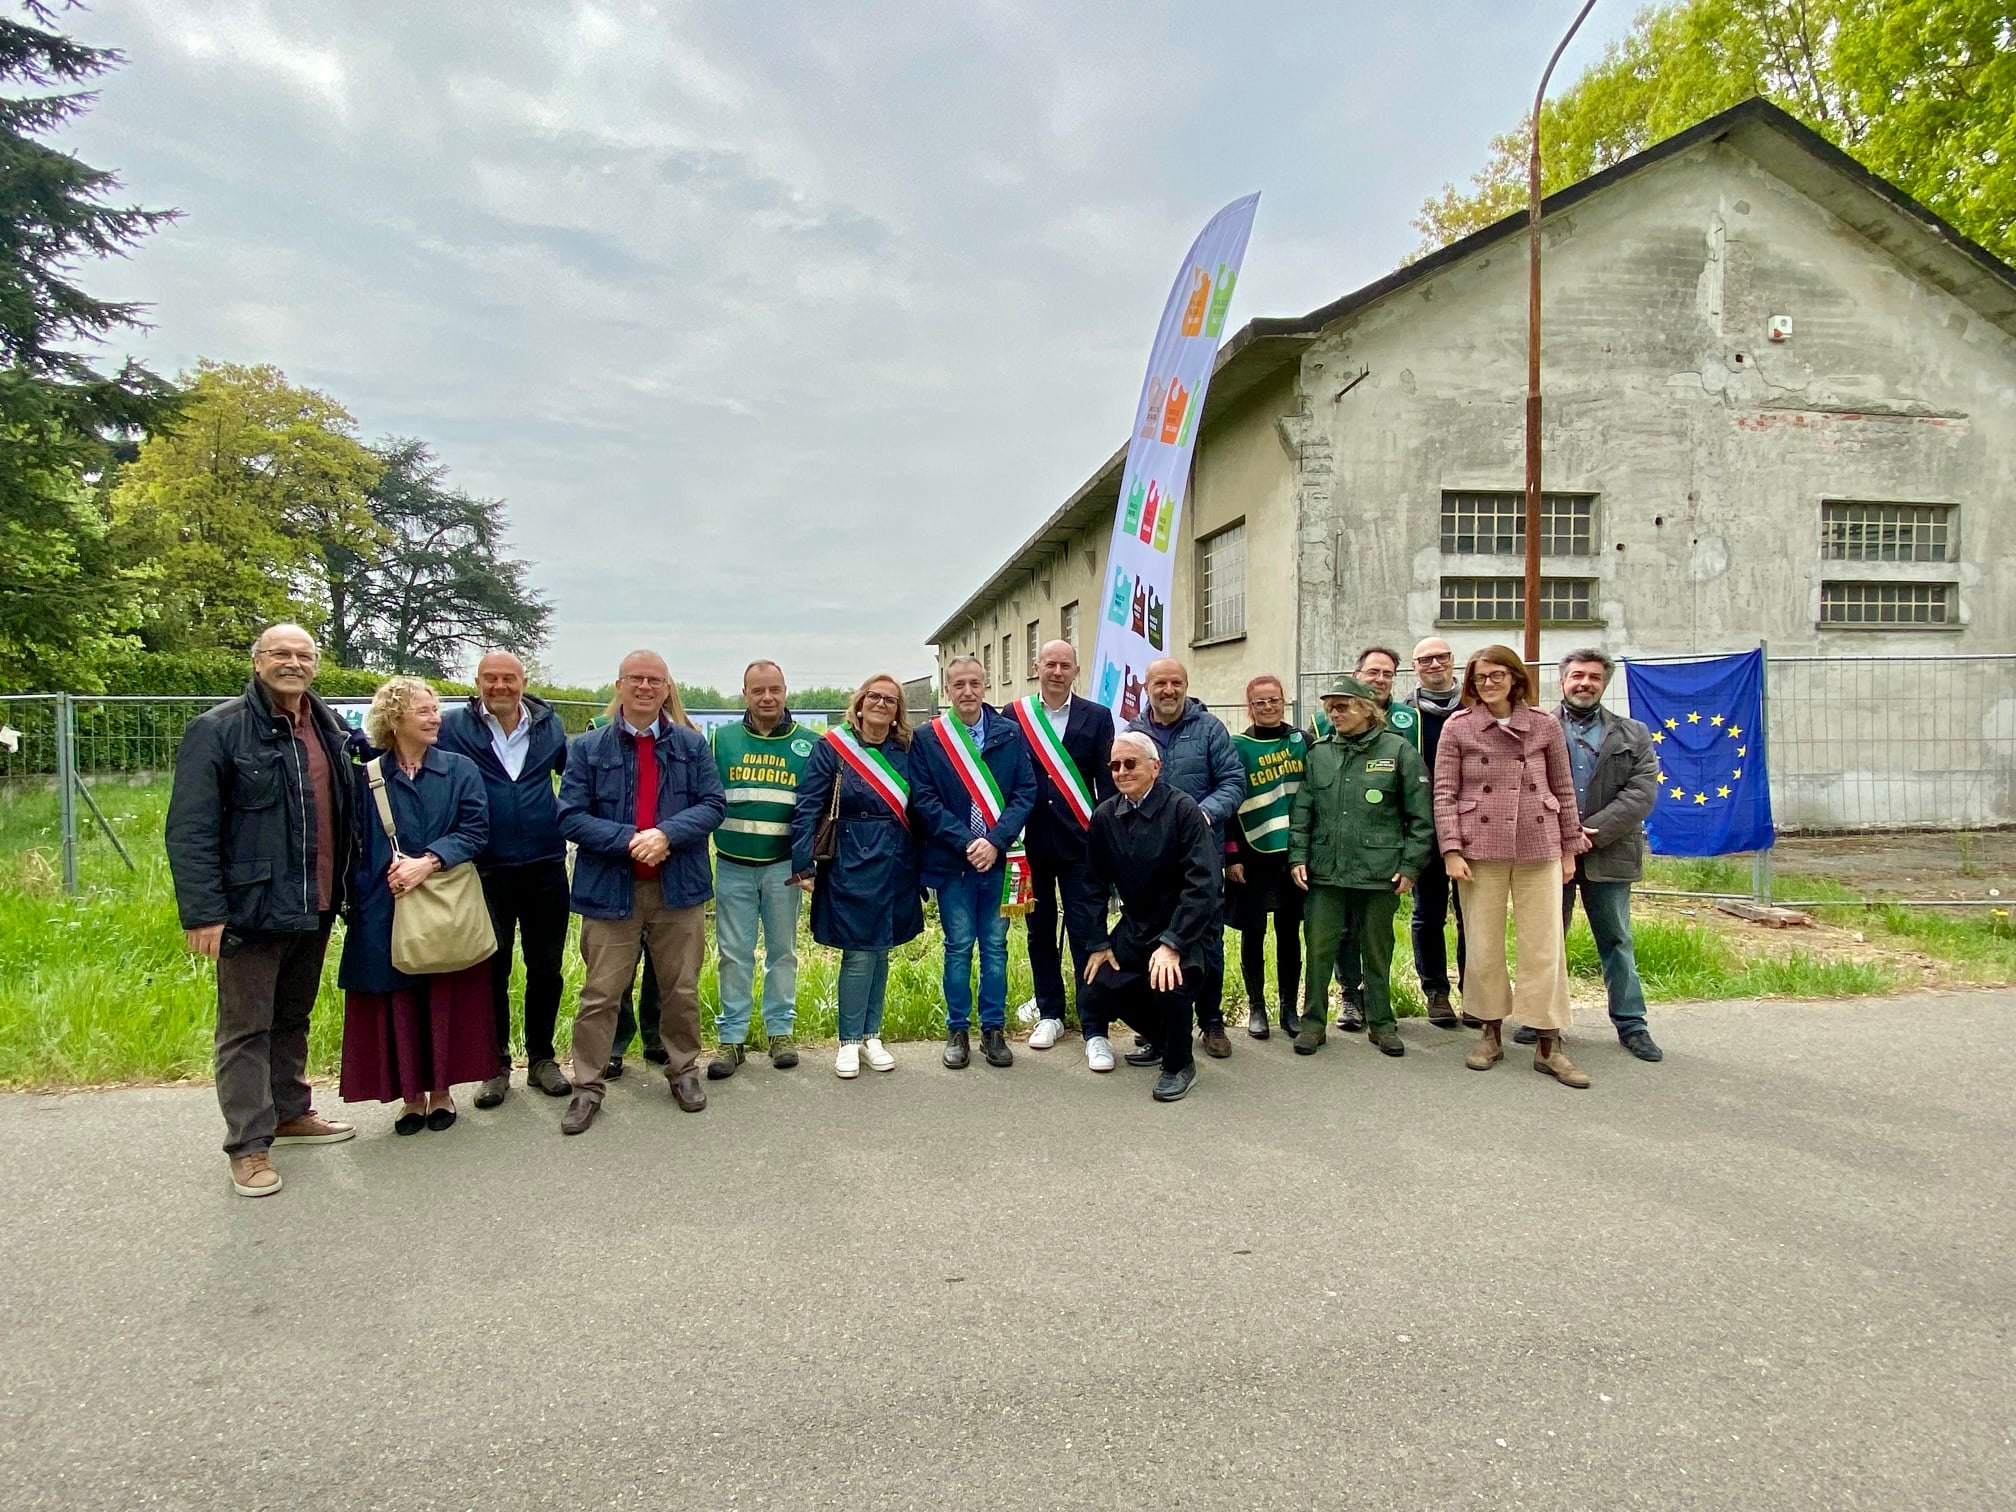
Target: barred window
x,y
1032,649
1854,532
1502,600
1007,660
1486,524
1221,584
1069,616
1887,603
987,662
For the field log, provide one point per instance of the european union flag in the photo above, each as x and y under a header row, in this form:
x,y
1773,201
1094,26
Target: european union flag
x,y
1707,723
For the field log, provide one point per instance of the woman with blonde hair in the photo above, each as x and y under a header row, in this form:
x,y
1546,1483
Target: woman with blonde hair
x,y
1506,821
411,1038
852,837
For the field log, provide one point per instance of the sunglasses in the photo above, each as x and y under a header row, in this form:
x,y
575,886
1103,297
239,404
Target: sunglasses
x,y
1124,763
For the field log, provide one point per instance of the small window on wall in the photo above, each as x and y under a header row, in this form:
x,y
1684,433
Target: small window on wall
x,y
1069,616
1032,649
1221,584
1888,605
1007,660
1494,524
1856,532
1502,601
987,661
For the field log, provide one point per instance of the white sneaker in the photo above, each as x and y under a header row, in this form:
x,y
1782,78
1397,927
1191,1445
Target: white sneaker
x,y
876,1056
847,1064
1099,1053
1046,1034
1026,1014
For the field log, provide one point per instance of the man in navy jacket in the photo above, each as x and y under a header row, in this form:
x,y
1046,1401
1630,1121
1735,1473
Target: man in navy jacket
x,y
1200,761
518,746
966,852
639,798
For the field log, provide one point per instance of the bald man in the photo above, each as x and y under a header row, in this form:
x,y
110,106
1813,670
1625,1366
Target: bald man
x,y
520,749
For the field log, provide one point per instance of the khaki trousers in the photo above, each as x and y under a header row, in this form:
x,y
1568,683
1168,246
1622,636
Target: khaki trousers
x,y
1532,890
677,939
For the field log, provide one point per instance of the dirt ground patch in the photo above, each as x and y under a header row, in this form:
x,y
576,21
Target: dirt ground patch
x,y
1930,864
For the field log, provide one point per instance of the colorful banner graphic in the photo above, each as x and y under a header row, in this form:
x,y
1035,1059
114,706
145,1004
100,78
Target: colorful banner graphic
x,y
1140,564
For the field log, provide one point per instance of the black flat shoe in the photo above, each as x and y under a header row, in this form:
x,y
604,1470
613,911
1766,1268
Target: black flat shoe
x,y
409,1123
441,1118
614,1069
1143,1055
994,1046
1256,1024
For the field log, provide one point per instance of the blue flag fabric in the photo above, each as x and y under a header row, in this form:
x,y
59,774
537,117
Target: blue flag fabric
x,y
1707,723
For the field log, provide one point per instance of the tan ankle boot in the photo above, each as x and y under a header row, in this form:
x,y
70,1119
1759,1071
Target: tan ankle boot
x,y
1489,1049
1549,1059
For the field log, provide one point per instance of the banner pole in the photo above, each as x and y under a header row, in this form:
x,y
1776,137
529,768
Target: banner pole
x,y
1760,863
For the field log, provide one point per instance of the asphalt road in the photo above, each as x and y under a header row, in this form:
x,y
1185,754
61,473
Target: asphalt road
x,y
1773,1272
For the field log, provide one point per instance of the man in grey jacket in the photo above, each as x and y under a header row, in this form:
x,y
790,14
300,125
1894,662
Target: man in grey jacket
x,y
1616,775
1198,759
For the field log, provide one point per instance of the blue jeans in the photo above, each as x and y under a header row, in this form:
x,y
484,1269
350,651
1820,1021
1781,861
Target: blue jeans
x,y
969,908
1608,908
743,896
864,978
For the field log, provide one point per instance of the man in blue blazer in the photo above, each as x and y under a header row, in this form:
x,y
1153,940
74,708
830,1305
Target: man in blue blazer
x,y
639,798
972,789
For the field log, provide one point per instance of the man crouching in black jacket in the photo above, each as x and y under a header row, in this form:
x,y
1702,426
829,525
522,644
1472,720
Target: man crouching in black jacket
x,y
1154,845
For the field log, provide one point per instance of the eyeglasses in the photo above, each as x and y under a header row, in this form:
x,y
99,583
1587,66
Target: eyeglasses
x,y
879,700
1435,659
1492,679
637,680
1124,763
305,658
1265,703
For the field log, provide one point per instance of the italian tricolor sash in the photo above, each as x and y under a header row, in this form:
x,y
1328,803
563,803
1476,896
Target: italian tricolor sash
x,y
1049,748
1017,888
873,768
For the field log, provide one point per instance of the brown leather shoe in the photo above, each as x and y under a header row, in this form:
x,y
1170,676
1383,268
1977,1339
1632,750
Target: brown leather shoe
x,y
1549,1060
253,1175
312,1128
1440,1014
580,1113
1489,1049
1215,1044
688,1090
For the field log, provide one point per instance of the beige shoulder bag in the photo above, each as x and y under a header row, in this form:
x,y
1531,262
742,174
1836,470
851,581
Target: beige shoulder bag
x,y
443,924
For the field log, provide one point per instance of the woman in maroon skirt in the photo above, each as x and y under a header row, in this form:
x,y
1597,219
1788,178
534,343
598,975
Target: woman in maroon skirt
x,y
411,1038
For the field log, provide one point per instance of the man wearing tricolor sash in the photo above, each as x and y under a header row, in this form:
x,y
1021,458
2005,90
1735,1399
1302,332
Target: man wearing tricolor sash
x,y
972,790
1070,739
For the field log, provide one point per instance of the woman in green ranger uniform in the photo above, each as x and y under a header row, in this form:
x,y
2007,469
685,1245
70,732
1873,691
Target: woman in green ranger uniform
x,y
1362,825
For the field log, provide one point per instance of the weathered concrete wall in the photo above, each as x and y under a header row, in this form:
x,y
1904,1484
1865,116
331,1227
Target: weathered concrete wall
x,y
1709,448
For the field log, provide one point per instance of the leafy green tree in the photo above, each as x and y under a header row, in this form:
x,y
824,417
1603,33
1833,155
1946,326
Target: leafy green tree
x,y
1922,92
234,511
436,588
62,601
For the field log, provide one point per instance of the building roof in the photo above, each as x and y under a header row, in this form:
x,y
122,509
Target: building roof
x,y
1784,147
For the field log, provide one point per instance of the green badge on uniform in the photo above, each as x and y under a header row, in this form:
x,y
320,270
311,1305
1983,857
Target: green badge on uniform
x,y
801,747
1373,795
1380,764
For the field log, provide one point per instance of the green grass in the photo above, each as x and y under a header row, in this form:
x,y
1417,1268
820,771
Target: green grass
x,y
100,989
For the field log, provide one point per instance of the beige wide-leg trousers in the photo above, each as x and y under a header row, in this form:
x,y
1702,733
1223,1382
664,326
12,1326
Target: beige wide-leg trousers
x,y
1531,890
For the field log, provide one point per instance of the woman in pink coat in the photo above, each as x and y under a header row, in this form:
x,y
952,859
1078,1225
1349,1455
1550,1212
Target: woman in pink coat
x,y
1506,821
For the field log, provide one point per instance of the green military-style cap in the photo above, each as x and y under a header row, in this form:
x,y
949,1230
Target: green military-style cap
x,y
1350,687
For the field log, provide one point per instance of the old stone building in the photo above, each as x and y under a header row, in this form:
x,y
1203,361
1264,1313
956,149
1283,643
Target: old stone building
x,y
1780,404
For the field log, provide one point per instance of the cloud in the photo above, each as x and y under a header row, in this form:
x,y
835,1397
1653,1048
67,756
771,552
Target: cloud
x,y
776,325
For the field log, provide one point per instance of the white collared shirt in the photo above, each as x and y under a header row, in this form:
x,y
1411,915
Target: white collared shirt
x,y
511,749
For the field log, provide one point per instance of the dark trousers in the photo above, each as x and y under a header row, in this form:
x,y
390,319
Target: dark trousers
x,y
530,900
1082,899
266,988
1210,979
1287,916
1161,1018
645,1016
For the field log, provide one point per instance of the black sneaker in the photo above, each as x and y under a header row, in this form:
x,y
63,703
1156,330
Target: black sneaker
x,y
726,1059
1525,1035
1143,1055
611,1071
1352,1019
1171,1086
1639,1043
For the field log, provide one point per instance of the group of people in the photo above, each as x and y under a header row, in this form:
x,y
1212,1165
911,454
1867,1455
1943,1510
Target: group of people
x,y
282,818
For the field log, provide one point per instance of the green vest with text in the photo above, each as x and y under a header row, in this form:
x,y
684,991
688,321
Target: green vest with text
x,y
761,775
1273,773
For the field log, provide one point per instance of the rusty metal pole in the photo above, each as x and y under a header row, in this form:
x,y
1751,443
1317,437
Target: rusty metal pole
x,y
1532,585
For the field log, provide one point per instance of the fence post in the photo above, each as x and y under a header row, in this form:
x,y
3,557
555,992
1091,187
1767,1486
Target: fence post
x,y
1760,863
66,787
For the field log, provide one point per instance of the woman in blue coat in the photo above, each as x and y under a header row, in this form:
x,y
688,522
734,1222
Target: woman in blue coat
x,y
865,901
411,1038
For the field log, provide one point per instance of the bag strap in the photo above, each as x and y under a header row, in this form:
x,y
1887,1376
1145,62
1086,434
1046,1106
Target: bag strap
x,y
374,773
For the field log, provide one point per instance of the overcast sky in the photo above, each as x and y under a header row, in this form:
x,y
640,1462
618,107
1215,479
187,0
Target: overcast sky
x,y
778,325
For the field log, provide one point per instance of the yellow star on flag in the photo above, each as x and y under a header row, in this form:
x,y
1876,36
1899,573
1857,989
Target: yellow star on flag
x,y
1721,792
1658,737
1672,724
1742,750
1737,774
1677,793
1693,719
1700,797
1736,732
1715,720
1662,776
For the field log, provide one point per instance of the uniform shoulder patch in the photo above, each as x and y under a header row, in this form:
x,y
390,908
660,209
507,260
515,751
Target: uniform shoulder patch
x,y
801,747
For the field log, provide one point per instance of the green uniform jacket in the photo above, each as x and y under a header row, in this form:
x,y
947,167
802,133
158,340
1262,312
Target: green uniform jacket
x,y
1364,813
